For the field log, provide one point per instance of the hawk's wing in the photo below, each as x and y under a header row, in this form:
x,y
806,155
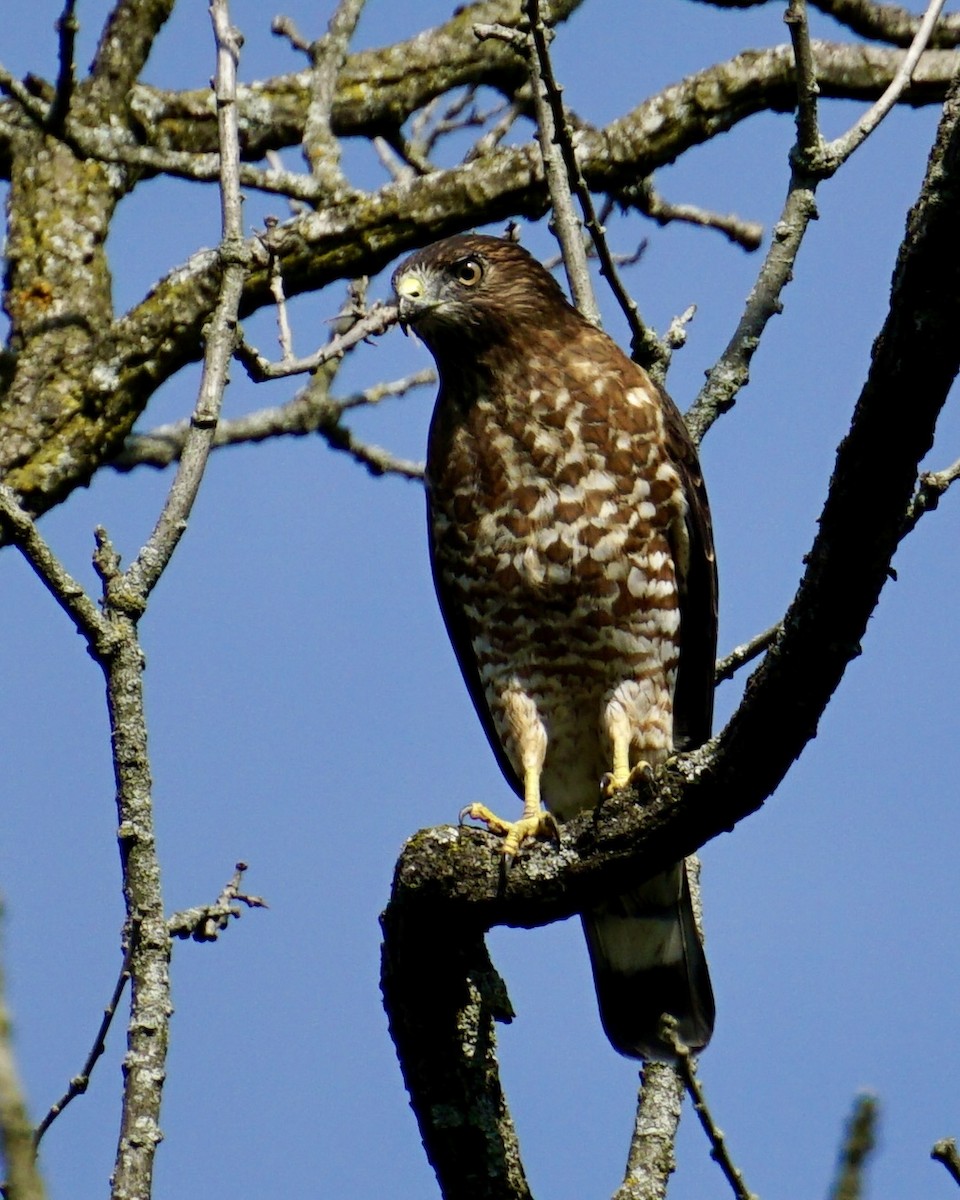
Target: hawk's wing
x,y
693,694
459,635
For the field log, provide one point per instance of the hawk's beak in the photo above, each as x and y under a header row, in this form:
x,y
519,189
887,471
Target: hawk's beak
x,y
412,298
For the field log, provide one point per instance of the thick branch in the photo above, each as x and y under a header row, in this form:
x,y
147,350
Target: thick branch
x,y
125,45
114,375
444,1034
651,1160
378,90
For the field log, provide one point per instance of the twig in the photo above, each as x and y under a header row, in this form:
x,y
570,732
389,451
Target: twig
x,y
651,1160
718,1145
745,652
17,523
676,335
839,150
945,1151
207,921
80,1083
732,370
283,26
310,410
930,488
495,135
379,319
811,161
275,271
859,1140
320,146
221,330
646,348
548,107
377,460
645,197
809,142
67,29
394,162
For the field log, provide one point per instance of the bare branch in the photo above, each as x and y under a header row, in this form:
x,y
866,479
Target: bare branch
x,y
150,563
651,1160
206,922
67,27
839,151
327,56
932,485
125,45
858,1142
147,935
731,372
686,1067
18,526
945,1151
80,1083
551,127
809,142
284,334
310,410
746,652
646,348
377,320
888,22
645,197
377,460
442,1010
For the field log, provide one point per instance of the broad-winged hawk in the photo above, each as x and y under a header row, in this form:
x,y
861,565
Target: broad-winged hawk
x,y
573,560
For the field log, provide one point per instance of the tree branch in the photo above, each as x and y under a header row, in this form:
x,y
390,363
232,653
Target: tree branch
x,y
945,1151
858,1143
79,1083
312,410
221,333
559,163
746,652
686,1069
651,1160
205,922
321,147
442,996
124,47
884,22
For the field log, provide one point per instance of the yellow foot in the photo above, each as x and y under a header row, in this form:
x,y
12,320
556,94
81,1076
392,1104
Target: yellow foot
x,y
514,833
614,781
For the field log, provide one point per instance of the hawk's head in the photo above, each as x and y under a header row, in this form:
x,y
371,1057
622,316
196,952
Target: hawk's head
x,y
476,290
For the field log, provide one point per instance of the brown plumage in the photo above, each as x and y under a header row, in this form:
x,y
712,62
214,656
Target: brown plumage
x,y
573,559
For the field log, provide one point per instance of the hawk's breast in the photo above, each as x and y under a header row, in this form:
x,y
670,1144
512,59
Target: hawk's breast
x,y
552,509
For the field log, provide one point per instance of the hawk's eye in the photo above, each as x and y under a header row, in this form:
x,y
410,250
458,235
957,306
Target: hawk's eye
x,y
468,271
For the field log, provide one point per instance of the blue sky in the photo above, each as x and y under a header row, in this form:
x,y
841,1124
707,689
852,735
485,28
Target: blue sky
x,y
307,716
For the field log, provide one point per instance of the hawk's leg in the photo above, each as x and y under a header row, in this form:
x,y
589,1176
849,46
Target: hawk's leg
x,y
620,735
535,821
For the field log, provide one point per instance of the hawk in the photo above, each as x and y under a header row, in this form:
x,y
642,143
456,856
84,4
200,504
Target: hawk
x,y
573,560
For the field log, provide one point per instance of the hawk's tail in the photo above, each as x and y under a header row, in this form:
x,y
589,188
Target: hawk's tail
x,y
648,960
